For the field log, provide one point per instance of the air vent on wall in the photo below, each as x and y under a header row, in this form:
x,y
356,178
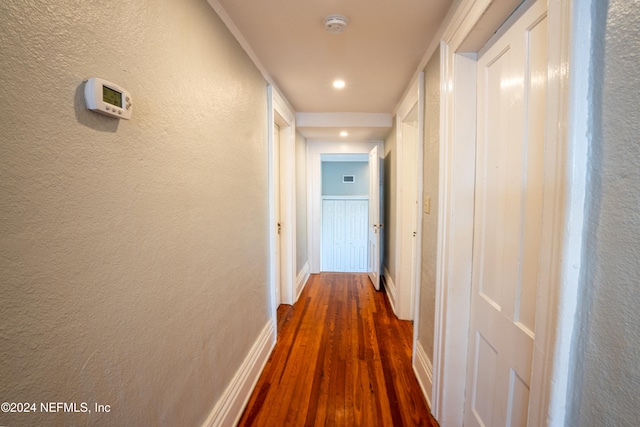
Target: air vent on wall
x,y
348,179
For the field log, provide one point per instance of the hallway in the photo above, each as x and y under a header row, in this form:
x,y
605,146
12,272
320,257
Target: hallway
x,y
342,359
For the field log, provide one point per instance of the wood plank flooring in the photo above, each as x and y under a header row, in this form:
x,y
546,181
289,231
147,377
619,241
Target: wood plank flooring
x,y
342,359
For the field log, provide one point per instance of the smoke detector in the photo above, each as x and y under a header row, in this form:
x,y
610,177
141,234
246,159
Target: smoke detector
x,y
335,23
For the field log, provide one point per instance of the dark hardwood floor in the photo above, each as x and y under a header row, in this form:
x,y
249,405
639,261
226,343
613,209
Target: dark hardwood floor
x,y
342,359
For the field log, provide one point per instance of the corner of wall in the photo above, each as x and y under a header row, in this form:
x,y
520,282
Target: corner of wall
x,y
229,408
302,279
423,369
390,289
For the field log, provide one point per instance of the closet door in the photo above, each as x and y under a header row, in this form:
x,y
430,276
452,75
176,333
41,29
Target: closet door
x,y
357,220
344,235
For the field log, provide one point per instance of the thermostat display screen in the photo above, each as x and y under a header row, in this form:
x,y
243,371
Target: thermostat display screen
x,y
111,96
107,98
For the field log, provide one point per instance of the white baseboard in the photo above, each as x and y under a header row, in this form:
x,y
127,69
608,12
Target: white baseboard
x,y
424,371
390,289
301,280
229,408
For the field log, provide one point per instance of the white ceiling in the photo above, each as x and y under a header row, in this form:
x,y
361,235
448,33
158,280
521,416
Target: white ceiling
x,y
377,56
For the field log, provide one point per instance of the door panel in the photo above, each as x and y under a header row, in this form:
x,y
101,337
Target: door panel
x,y
344,235
357,218
276,204
526,307
326,254
507,226
339,233
374,233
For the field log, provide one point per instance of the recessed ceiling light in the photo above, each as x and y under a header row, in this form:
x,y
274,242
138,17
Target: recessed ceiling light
x,y
344,133
339,84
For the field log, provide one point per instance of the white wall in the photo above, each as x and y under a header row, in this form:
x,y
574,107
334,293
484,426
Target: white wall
x,y
606,354
133,254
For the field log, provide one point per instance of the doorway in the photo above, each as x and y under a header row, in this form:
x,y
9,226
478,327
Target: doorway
x,y
409,135
317,153
509,191
277,263
345,214
282,214
558,244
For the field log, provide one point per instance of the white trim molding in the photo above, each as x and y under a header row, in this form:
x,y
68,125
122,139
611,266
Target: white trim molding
x,y
389,288
455,237
568,135
423,369
234,399
280,113
301,280
364,120
409,199
345,197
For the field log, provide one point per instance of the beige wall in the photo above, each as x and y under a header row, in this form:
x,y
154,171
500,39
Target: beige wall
x,y
430,191
390,201
606,353
133,254
301,203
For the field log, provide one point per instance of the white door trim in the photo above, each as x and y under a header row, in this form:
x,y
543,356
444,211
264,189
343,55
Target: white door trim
x,y
374,226
567,117
409,217
567,133
280,113
316,150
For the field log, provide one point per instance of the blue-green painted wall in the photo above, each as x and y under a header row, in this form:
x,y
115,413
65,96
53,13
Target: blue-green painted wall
x,y
332,173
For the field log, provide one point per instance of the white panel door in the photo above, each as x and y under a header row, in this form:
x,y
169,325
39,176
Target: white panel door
x,y
276,205
326,242
344,235
508,222
408,261
374,219
357,220
338,249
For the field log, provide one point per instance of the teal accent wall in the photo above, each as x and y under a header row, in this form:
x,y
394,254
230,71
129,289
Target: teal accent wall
x,y
332,173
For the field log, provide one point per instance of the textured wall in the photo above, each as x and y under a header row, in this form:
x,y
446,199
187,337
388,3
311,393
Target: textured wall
x,y
607,354
390,200
431,161
302,255
133,254
332,173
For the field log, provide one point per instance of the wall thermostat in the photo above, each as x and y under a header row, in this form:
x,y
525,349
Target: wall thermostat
x,y
107,98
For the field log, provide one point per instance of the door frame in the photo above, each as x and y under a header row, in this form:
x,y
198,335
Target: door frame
x,y
566,124
375,223
407,280
280,113
316,151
